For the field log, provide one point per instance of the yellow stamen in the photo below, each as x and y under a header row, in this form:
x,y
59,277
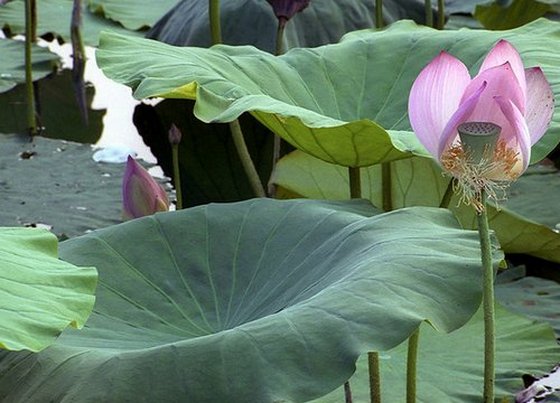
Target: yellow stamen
x,y
492,175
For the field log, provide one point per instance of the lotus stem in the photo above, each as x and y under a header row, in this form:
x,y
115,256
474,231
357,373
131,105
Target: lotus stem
x,y
78,59
246,160
441,14
378,13
487,301
347,393
215,23
386,186
235,127
412,357
374,377
280,37
355,182
277,141
29,90
177,176
446,199
429,13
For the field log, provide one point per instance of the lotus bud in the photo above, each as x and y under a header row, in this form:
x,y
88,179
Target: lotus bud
x,y
175,135
142,195
286,9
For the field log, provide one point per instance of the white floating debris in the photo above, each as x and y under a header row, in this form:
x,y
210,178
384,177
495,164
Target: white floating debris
x,y
113,155
539,388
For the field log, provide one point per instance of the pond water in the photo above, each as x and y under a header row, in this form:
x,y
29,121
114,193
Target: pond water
x,y
117,99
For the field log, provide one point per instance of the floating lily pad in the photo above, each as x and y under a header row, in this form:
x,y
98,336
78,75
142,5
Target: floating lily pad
x,y
60,114
262,300
53,17
334,102
40,295
132,14
57,184
533,297
450,367
12,63
516,14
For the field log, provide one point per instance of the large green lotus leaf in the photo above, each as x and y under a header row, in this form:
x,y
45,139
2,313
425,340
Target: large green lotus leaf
x,y
257,301
516,14
329,101
536,195
12,63
132,14
450,367
252,22
209,167
60,115
535,297
415,182
40,295
53,17
57,184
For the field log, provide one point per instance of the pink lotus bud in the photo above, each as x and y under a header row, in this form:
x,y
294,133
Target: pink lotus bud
x,y
142,195
286,9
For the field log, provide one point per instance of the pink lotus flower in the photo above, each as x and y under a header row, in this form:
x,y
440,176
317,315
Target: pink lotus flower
x,y
142,195
519,101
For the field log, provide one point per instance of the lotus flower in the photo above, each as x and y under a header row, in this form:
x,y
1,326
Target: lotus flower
x,y
142,195
503,94
286,9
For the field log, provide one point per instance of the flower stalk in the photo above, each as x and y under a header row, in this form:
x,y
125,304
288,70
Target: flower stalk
x,y
441,14
379,14
175,139
487,302
30,38
235,127
429,13
355,182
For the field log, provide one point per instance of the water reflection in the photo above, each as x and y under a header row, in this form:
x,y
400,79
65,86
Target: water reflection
x,y
118,129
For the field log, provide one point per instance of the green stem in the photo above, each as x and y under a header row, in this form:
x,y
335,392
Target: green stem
x,y
487,302
355,182
386,186
412,357
429,13
378,13
374,377
29,91
245,158
347,393
446,199
177,176
280,37
215,24
235,127
277,141
441,14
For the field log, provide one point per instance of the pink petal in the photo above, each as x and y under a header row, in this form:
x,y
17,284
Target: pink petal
x,y
521,138
504,52
461,114
540,103
142,195
435,96
500,82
